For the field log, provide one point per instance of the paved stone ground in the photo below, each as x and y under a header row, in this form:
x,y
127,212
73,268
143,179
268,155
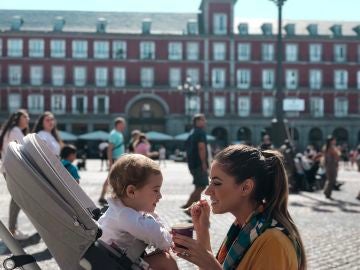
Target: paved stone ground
x,y
330,229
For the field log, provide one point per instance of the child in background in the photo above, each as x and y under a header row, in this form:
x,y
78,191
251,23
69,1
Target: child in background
x,y
136,181
68,155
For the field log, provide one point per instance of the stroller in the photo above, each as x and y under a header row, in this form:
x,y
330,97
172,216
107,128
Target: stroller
x,y
64,216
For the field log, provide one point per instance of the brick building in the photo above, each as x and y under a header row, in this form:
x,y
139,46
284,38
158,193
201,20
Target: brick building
x,y
88,67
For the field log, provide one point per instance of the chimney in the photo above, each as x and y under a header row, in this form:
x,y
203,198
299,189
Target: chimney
x,y
290,29
312,29
267,29
243,29
356,29
59,24
336,29
146,26
192,27
101,25
16,23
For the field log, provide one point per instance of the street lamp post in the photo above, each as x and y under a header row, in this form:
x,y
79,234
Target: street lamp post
x,y
278,125
190,89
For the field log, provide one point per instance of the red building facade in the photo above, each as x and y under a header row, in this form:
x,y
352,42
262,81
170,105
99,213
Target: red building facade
x,y
89,67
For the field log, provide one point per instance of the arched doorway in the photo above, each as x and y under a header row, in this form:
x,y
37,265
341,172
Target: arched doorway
x,y
244,135
146,114
316,138
221,136
341,135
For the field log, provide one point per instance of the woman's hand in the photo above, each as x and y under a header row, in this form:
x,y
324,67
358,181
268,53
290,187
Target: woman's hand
x,y
200,214
195,253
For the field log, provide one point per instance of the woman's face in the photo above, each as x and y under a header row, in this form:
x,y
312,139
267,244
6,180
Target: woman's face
x,y
49,123
24,121
224,192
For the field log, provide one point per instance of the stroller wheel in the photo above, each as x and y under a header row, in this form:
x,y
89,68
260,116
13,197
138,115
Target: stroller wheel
x,y
9,264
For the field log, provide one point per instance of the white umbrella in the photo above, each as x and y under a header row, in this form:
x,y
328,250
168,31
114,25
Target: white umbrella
x,y
158,136
95,136
67,136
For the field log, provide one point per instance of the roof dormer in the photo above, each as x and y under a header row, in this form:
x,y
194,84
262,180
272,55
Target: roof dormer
x,y
336,29
312,29
290,29
356,29
146,26
101,24
192,27
16,23
243,29
266,28
59,24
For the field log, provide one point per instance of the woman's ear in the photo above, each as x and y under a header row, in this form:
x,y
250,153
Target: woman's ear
x,y
130,191
247,187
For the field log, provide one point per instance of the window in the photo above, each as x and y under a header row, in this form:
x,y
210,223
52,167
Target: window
x,y
268,78
291,52
58,75
219,106
101,76
35,103
218,78
58,104
317,106
80,76
175,51
192,51
268,106
192,105
15,47
340,52
101,104
268,52
101,49
175,77
243,78
341,106
244,106
58,49
315,52
315,76
79,104
220,24
147,50
14,75
193,73
358,80
119,77
341,79
14,101
291,79
147,77
119,50
36,48
244,51
79,49
36,75
219,51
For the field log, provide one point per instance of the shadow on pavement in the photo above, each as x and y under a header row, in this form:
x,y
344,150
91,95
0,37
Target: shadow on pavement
x,y
31,240
42,256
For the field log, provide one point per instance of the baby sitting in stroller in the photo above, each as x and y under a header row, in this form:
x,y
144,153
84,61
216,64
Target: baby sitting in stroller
x,y
130,219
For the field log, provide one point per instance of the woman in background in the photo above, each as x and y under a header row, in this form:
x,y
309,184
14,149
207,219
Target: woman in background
x,y
45,127
14,129
331,158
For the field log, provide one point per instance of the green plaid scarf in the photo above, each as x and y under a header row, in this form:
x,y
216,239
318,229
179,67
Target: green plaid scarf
x,y
239,239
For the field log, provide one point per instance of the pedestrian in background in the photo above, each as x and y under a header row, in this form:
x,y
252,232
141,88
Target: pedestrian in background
x,y
14,129
331,162
197,159
252,186
134,137
116,149
45,127
68,156
103,154
162,155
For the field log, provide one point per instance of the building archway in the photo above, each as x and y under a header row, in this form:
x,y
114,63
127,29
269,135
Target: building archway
x,y
341,135
147,113
221,136
244,135
316,138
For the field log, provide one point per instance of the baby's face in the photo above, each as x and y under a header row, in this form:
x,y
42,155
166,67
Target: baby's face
x,y
149,195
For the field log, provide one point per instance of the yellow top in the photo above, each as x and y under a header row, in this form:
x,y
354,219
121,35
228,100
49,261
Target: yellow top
x,y
272,250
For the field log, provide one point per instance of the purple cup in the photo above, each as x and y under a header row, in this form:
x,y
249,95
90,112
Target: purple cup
x,y
185,229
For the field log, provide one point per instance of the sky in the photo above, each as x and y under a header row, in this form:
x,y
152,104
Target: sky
x,y
332,10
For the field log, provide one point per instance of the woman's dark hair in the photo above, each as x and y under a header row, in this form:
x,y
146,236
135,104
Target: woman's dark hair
x,y
12,121
39,125
267,170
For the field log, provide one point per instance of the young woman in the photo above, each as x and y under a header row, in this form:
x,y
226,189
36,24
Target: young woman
x,y
252,185
331,157
15,128
45,127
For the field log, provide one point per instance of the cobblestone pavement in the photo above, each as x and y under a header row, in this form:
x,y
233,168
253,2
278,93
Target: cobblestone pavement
x,y
330,229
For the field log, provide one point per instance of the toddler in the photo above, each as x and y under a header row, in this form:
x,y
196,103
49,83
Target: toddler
x,y
130,219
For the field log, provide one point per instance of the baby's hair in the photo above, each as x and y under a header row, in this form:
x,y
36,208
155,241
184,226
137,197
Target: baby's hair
x,y
131,169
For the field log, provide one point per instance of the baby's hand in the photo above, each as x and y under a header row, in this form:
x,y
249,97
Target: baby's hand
x,y
200,214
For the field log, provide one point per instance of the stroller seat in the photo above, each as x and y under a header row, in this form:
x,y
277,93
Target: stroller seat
x,y
62,213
